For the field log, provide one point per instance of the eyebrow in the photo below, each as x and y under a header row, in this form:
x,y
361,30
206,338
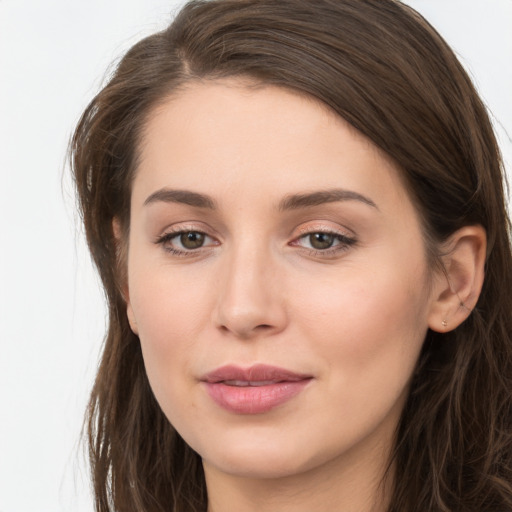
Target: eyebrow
x,y
290,202
181,196
296,201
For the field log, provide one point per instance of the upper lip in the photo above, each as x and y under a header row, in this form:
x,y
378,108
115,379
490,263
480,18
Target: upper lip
x,y
255,373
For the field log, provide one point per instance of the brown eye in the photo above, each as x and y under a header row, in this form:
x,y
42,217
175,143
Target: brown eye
x,y
321,240
324,243
192,239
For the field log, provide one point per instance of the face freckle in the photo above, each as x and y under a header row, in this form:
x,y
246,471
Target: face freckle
x,y
267,232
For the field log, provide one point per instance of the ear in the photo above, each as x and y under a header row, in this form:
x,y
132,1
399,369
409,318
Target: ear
x,y
131,318
456,290
122,271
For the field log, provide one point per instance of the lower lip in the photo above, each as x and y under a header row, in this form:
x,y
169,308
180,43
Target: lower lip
x,y
254,399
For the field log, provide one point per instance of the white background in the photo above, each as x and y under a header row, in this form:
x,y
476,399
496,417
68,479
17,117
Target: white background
x,y
53,57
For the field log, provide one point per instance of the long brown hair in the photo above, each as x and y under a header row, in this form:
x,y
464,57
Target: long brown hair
x,y
383,68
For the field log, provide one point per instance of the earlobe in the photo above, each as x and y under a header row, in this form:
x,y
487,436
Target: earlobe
x,y
456,290
131,318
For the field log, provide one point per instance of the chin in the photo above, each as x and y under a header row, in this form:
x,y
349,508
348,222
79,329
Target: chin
x,y
263,456
261,465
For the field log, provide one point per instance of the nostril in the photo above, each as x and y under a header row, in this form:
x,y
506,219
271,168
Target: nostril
x,y
247,331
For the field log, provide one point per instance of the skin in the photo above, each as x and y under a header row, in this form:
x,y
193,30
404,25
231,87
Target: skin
x,y
353,316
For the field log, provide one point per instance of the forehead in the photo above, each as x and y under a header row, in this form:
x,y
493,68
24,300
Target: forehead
x,y
217,136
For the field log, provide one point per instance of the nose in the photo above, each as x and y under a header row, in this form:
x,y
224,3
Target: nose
x,y
251,298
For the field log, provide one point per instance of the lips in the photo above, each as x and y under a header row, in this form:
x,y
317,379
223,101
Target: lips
x,y
253,390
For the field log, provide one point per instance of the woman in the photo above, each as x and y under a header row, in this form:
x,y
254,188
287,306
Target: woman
x,y
297,212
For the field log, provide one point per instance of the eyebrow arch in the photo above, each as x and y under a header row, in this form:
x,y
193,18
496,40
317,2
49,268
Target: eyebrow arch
x,y
167,195
296,201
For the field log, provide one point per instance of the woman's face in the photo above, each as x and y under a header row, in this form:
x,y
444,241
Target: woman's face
x,y
277,280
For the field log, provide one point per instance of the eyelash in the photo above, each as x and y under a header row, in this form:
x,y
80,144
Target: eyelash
x,y
344,243
166,239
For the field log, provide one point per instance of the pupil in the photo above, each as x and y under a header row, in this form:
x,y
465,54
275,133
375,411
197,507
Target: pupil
x,y
192,240
321,240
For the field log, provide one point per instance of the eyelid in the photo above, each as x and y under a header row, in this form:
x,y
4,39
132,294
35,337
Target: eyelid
x,y
346,239
186,226
176,230
323,227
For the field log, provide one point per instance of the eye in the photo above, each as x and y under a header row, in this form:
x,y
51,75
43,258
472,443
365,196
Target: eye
x,y
324,243
191,239
321,241
185,242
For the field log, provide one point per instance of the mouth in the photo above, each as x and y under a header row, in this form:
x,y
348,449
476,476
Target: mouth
x,y
245,383
254,390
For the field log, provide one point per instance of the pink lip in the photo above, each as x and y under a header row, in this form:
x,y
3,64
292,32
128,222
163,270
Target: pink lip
x,y
253,390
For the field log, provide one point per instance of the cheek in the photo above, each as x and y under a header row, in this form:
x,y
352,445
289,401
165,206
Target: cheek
x,y
368,322
170,309
367,334
168,305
